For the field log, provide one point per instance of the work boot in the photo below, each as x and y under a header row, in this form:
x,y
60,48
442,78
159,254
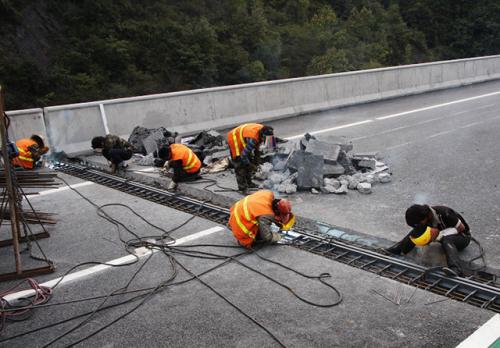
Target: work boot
x,y
454,261
394,249
172,186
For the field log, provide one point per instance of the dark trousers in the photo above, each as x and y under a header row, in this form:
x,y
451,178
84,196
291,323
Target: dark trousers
x,y
117,156
244,173
180,175
451,246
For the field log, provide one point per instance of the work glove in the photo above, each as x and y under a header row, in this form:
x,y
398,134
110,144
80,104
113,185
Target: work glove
x,y
446,232
166,168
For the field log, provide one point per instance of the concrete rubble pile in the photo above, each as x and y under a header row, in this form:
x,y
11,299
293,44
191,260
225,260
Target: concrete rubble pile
x,y
147,141
211,143
321,167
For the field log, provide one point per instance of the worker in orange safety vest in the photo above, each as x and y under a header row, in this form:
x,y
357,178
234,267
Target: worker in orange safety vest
x,y
252,218
184,162
30,151
244,142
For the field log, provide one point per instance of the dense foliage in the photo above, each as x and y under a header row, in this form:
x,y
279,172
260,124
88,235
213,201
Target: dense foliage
x,y
65,51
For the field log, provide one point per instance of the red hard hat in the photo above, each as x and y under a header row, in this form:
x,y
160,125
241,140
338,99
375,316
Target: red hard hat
x,y
285,210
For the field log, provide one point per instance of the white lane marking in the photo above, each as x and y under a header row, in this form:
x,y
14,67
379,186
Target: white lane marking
x,y
440,133
437,106
140,252
330,129
65,188
485,336
400,145
445,132
398,128
471,124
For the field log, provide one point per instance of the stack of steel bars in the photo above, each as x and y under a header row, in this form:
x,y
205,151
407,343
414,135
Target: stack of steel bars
x,y
29,180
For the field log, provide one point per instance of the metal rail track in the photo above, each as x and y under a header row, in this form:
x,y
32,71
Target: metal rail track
x,y
483,292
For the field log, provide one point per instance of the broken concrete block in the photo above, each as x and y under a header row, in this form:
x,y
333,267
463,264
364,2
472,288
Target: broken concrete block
x,y
370,178
364,163
296,159
266,167
287,188
352,182
333,170
330,152
279,165
277,178
332,182
384,177
311,173
152,142
342,141
337,190
364,188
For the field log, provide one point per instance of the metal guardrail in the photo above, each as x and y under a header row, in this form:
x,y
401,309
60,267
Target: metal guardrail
x,y
481,291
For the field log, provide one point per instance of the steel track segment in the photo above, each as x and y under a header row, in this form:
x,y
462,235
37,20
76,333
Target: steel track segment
x,y
481,294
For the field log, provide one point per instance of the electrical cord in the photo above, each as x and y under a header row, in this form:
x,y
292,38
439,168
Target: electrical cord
x,y
163,243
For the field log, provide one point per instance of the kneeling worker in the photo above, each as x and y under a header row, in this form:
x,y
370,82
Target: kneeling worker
x,y
30,151
436,223
183,161
251,218
114,149
244,142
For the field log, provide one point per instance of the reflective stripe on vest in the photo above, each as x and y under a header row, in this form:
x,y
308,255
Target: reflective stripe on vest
x,y
190,163
235,141
247,217
23,154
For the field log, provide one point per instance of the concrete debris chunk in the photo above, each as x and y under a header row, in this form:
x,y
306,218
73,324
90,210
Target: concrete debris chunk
x,y
314,191
139,134
310,174
154,141
342,141
330,152
332,182
363,163
342,189
333,170
364,188
384,177
352,183
208,139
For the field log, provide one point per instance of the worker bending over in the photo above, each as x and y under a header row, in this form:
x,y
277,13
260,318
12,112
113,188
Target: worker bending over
x,y
244,142
30,152
114,149
252,218
183,161
436,223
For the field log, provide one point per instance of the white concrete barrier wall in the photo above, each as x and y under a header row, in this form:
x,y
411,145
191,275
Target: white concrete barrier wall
x,y
70,127
24,123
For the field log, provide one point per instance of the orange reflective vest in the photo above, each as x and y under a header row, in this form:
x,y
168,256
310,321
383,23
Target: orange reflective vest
x,y
190,162
236,137
243,220
25,158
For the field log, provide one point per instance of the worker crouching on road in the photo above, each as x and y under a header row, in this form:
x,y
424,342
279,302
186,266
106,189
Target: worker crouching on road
x,y
252,218
244,142
183,161
114,149
440,224
30,152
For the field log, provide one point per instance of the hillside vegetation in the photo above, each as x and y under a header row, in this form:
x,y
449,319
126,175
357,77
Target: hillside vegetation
x,y
57,52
